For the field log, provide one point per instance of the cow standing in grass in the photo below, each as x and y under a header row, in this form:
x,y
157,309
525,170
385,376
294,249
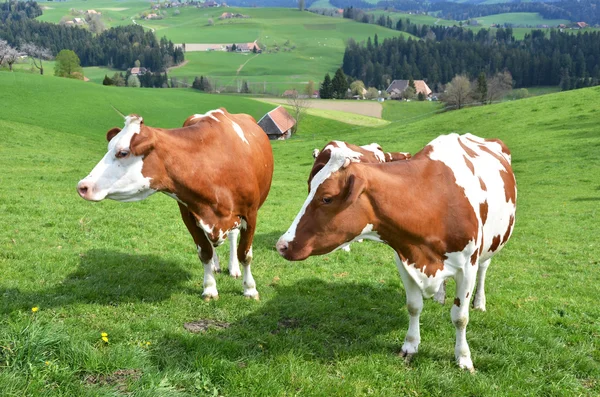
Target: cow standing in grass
x,y
218,167
445,212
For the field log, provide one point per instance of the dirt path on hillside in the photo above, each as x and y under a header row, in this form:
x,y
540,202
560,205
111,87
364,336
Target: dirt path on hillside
x,y
182,64
237,72
365,108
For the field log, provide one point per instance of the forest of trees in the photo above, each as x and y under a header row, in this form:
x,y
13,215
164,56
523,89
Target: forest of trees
x,y
117,47
581,10
17,10
572,60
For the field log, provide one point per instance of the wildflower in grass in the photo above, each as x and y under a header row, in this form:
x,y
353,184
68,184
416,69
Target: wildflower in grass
x,y
104,336
35,309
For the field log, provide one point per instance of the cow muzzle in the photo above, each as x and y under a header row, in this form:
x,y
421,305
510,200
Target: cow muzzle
x,y
289,251
86,190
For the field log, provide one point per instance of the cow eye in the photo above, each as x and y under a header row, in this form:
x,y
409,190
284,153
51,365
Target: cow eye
x,y
121,154
326,200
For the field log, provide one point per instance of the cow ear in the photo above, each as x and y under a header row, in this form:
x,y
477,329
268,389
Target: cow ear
x,y
112,132
355,186
142,143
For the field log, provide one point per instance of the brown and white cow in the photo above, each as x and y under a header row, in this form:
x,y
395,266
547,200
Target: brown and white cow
x,y
445,213
371,153
218,167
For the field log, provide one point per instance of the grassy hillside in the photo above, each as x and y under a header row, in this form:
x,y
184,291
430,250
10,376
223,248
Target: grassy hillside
x,y
520,18
300,46
332,325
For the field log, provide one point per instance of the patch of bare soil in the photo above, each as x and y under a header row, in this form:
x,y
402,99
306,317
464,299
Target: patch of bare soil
x,y
203,325
119,378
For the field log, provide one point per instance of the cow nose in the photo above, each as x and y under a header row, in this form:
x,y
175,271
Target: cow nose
x,y
82,189
282,247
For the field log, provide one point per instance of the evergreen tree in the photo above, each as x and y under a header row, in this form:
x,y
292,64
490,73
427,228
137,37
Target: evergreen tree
x,y
326,90
481,89
339,84
245,88
107,80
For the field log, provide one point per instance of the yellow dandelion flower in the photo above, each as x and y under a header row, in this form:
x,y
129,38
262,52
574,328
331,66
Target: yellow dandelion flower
x,y
47,362
147,343
104,334
35,309
105,339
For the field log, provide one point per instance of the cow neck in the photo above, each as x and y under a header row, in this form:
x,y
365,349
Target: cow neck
x,y
397,193
183,169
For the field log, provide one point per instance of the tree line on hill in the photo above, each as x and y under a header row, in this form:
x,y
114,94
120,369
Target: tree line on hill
x,y
117,47
581,10
573,61
18,10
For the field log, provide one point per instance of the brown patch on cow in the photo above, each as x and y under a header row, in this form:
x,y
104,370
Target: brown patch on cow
x,y
508,230
457,302
498,157
397,156
468,293
510,191
503,147
469,164
112,133
483,211
482,184
495,243
470,152
474,258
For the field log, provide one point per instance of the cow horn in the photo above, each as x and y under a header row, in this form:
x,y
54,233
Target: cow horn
x,y
117,110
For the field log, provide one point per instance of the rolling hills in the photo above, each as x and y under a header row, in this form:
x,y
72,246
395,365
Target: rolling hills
x,y
331,325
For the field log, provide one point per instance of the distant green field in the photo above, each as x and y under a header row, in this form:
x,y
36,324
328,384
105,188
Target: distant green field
x,y
309,45
114,12
409,112
520,18
330,326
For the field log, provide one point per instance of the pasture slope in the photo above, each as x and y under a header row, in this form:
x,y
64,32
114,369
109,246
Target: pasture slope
x,y
329,326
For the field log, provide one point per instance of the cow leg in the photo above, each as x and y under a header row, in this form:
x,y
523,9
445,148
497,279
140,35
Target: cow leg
x,y
206,254
440,295
234,263
414,304
244,254
465,283
479,299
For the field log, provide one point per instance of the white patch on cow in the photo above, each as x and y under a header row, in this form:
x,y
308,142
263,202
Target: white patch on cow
x,y
338,157
120,179
315,153
238,130
488,168
376,150
244,224
206,227
234,264
174,196
367,233
208,114
454,262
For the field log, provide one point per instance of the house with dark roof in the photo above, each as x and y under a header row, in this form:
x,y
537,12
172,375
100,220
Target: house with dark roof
x,y
277,124
397,87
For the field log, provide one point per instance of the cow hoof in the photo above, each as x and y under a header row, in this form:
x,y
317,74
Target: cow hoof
x,y
208,298
252,294
481,308
466,363
235,273
407,356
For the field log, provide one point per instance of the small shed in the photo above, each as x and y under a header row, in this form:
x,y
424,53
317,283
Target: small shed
x,y
277,124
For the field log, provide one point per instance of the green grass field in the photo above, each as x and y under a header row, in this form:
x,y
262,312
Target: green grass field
x,y
414,18
329,326
309,45
520,18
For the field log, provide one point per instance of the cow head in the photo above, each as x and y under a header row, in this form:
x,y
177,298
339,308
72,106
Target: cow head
x,y
335,211
119,175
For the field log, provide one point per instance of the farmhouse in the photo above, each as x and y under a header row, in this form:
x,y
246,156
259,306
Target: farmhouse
x,y
581,25
399,86
139,71
290,93
92,12
244,47
277,124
